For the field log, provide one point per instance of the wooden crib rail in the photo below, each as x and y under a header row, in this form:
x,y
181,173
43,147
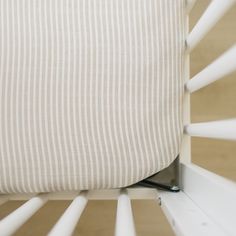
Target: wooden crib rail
x,y
214,194
186,217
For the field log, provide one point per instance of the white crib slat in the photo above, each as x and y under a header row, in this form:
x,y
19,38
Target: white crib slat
x,y
17,218
221,67
214,12
67,223
213,193
187,218
124,217
223,129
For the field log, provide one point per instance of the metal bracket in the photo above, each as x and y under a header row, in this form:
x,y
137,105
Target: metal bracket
x,y
167,179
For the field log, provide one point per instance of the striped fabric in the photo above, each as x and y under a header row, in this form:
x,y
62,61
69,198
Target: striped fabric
x,y
90,92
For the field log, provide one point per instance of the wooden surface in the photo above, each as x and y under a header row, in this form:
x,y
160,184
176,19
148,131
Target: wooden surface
x,y
218,101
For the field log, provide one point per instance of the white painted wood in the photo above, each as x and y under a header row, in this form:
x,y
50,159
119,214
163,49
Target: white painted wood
x,y
68,221
185,149
223,129
221,67
124,216
17,218
214,194
214,12
101,194
185,217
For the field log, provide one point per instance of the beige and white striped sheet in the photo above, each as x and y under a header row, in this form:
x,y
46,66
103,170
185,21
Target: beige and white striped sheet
x,y
90,92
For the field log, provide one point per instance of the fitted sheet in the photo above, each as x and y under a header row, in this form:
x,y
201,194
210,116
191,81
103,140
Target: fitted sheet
x,y
91,92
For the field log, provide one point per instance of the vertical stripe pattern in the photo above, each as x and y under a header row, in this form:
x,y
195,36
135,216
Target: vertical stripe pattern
x,y
90,92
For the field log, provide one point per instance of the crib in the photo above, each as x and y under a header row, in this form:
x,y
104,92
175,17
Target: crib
x,y
205,205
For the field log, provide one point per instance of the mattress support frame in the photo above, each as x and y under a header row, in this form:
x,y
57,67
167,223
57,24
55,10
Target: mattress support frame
x,y
167,179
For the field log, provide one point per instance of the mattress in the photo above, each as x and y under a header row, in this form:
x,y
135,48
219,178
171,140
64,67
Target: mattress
x,y
90,92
